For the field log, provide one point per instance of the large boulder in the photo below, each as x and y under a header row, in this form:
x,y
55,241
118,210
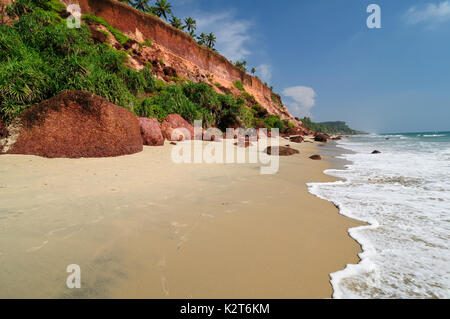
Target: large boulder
x,y
321,138
74,124
296,139
175,128
151,132
282,151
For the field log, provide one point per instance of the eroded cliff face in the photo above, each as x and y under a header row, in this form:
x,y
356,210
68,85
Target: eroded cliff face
x,y
174,53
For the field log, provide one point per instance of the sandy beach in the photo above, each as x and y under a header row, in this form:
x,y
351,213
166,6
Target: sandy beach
x,y
140,226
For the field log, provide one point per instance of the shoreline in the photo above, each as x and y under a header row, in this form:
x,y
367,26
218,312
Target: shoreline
x,y
142,227
332,151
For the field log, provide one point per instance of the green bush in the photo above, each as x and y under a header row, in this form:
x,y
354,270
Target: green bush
x,y
203,95
148,108
239,85
274,121
120,37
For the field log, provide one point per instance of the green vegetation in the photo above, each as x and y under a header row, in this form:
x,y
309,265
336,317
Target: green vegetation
x,y
120,37
147,43
329,127
40,57
239,85
241,65
276,99
197,101
176,23
190,25
208,40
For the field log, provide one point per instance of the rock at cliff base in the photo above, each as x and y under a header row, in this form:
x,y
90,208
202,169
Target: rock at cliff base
x,y
175,128
3,130
337,138
212,136
97,35
296,139
321,138
151,132
244,144
316,157
75,124
376,152
282,151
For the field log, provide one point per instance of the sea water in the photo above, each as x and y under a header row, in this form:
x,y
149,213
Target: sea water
x,y
403,194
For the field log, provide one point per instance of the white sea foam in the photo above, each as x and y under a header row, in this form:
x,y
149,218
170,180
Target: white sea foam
x,y
404,196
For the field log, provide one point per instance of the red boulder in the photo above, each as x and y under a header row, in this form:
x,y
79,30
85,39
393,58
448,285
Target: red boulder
x,y
175,128
321,138
282,151
151,132
296,139
75,124
316,157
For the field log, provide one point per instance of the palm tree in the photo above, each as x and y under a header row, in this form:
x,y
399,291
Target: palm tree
x,y
163,8
211,40
175,22
141,5
242,65
202,39
192,34
190,24
253,71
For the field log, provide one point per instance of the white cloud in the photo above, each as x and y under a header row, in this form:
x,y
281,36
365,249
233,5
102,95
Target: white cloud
x,y
304,98
232,34
431,13
264,71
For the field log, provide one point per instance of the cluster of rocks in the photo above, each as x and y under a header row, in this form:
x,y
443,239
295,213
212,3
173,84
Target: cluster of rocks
x,y
77,124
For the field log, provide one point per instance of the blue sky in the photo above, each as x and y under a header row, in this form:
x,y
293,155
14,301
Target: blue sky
x,y
325,61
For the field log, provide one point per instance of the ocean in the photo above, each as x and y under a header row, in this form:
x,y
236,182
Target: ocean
x,y
403,194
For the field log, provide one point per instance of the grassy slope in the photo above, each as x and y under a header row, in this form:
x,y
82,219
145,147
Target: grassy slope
x,y
41,57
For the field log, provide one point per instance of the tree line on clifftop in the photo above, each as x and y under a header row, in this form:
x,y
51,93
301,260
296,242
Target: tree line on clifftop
x,y
40,57
330,128
163,9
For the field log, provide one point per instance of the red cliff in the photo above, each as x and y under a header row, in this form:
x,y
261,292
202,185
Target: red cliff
x,y
179,52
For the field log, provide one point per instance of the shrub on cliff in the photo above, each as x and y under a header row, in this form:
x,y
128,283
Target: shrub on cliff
x,y
173,100
239,85
120,37
203,95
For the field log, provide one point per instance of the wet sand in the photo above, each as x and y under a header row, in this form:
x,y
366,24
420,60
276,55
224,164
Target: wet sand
x,y
141,226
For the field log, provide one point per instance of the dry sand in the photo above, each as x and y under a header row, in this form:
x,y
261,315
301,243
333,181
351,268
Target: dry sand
x,y
141,226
